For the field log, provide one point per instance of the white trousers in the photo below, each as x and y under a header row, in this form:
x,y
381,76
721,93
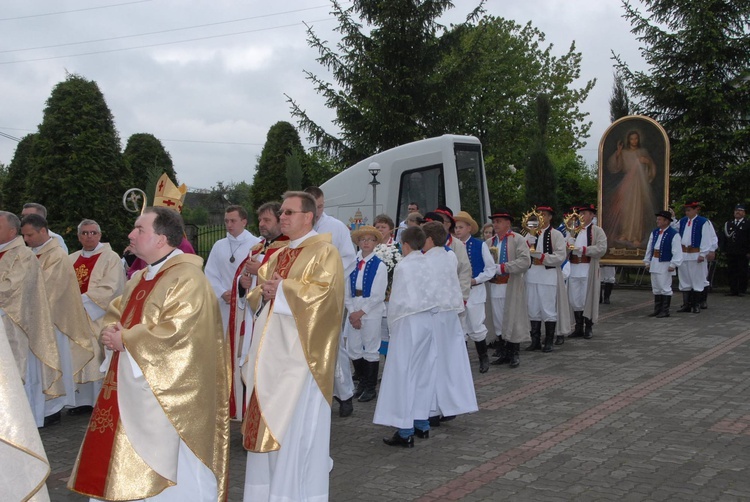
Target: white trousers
x,y
472,321
577,289
661,283
542,302
364,343
692,275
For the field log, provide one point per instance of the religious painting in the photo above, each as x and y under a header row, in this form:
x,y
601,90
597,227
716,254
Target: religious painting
x,y
633,186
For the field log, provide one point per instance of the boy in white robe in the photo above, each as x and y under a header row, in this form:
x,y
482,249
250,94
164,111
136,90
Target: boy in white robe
x,y
454,386
407,387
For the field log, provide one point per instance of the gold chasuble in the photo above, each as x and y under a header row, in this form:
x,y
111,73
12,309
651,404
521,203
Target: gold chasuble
x,y
67,312
313,285
172,330
27,319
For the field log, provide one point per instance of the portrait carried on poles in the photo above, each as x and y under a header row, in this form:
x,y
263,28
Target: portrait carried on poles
x,y
633,185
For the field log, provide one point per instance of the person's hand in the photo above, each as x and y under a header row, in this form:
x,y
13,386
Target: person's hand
x,y
355,319
270,286
112,337
226,296
535,254
711,256
671,269
619,147
701,259
252,266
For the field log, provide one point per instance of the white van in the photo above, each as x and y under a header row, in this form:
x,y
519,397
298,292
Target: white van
x,y
448,170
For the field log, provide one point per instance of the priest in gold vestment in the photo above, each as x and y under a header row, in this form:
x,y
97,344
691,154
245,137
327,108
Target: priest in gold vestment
x,y
160,426
25,315
73,331
290,364
101,279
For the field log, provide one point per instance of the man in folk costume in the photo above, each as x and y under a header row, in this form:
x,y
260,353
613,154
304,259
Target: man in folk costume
x,y
240,329
408,384
28,325
167,194
343,385
73,331
454,387
586,248
23,460
663,257
696,237
226,255
482,270
510,312
160,426
291,361
101,279
364,299
545,288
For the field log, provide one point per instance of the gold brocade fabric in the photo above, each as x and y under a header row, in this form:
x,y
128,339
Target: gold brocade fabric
x,y
179,346
28,324
107,279
67,312
314,289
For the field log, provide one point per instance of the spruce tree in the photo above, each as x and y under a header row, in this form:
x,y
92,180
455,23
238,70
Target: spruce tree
x,y
541,176
270,179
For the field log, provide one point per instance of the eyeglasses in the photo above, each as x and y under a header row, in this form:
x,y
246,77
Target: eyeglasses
x,y
89,232
288,212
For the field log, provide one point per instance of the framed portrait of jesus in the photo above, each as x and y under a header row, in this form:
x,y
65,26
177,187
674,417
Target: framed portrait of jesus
x,y
633,186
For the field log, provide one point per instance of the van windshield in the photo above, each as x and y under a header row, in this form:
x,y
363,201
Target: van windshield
x,y
425,186
470,180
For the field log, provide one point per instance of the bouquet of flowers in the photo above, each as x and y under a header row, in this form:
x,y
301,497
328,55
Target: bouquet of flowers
x,y
390,255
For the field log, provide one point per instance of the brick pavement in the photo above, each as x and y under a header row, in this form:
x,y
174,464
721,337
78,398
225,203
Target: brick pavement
x,y
646,410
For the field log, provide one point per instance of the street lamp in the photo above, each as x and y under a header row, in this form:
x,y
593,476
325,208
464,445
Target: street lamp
x,y
374,169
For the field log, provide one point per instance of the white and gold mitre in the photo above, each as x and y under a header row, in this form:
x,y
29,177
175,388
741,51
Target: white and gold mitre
x,y
169,195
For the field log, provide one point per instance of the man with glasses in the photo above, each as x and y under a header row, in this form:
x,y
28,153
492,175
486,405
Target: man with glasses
x,y
101,279
289,369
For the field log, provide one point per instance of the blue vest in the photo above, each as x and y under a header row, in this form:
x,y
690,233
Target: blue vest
x,y
370,270
665,246
474,250
696,231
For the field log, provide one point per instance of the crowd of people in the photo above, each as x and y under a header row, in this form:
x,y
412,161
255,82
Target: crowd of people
x,y
163,353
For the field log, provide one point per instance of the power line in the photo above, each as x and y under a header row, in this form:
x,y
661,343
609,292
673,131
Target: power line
x,y
212,142
122,49
69,11
9,136
162,31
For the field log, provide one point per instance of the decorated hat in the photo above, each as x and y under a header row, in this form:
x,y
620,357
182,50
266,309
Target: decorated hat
x,y
587,207
665,214
501,213
366,230
446,211
692,203
740,207
466,218
434,216
169,195
547,209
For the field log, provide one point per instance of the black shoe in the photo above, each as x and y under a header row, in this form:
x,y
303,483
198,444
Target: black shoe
x,y
559,339
515,355
498,361
53,419
448,418
367,396
422,434
484,360
397,440
346,408
80,410
434,421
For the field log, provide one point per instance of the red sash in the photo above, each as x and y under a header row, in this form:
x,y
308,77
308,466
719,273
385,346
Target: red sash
x,y
83,267
98,443
259,248
2,253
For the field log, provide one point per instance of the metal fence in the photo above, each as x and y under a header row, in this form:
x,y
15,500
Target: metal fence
x,y
203,237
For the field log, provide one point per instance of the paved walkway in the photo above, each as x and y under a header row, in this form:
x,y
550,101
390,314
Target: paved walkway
x,y
646,410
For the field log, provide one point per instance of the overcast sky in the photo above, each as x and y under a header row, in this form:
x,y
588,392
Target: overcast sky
x,y
208,78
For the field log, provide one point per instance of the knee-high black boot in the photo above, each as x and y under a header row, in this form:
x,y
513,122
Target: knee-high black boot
x,y
549,335
371,376
664,307
578,331
360,366
589,331
658,299
515,355
695,302
685,302
536,336
607,291
484,359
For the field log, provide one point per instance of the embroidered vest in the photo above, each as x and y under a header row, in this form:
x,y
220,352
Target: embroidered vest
x,y
369,271
665,246
696,231
474,250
